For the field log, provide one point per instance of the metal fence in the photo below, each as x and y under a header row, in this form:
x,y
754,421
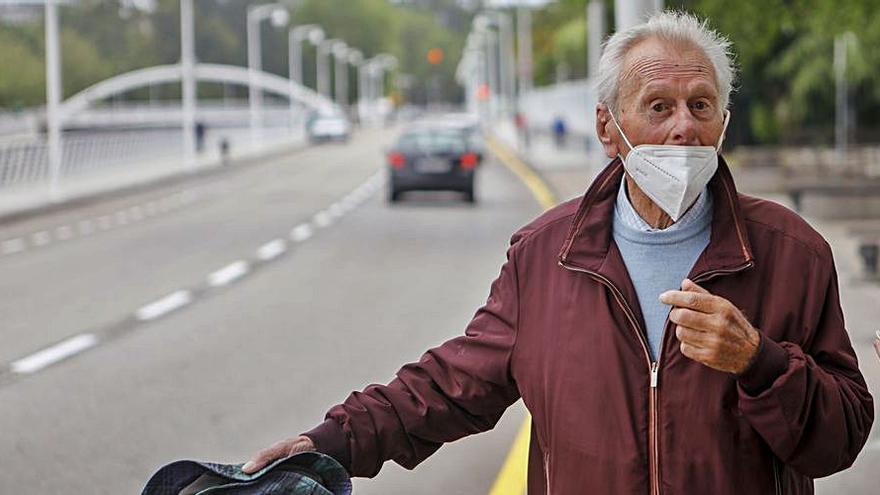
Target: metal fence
x,y
25,161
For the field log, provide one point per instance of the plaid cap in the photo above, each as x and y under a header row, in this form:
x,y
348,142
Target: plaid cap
x,y
306,473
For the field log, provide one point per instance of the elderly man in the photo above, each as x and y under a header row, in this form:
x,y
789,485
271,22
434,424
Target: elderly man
x,y
667,334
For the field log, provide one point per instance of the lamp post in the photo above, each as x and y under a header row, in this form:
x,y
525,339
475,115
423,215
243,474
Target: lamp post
x,y
323,66
340,73
53,98
255,15
295,37
189,93
489,43
356,59
375,71
524,45
595,34
628,13
502,56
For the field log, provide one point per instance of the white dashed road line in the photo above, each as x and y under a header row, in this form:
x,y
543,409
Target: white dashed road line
x,y
41,238
51,355
63,233
180,298
301,232
271,250
12,246
85,227
322,219
167,304
228,274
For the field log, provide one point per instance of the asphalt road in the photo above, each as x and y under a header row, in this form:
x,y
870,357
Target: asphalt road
x,y
268,322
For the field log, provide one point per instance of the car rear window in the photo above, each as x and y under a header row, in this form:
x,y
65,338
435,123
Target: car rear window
x,y
441,141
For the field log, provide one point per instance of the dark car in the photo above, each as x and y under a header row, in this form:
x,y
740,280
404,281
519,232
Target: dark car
x,y
432,158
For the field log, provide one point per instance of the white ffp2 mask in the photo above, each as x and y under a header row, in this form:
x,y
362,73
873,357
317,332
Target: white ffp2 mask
x,y
672,175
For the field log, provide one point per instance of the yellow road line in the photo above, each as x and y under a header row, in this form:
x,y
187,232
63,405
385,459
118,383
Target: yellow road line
x,y
530,178
511,479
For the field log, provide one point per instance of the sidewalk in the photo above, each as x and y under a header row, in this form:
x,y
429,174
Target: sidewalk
x,y
569,172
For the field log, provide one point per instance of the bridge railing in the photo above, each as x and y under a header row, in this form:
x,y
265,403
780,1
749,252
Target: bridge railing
x,y
24,162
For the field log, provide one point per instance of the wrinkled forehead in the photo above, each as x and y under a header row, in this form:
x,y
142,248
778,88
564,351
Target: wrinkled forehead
x,y
655,60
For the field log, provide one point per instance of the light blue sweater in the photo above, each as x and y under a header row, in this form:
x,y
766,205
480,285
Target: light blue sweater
x,y
658,260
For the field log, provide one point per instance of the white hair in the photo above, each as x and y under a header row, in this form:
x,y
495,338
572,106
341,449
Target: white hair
x,y
668,26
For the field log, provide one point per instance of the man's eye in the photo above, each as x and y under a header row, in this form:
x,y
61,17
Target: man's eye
x,y
700,105
659,107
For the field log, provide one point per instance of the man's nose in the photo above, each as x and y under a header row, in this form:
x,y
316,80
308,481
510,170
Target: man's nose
x,y
684,128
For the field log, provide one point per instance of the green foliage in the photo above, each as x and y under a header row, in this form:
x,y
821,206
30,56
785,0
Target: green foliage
x,y
784,50
24,85
97,42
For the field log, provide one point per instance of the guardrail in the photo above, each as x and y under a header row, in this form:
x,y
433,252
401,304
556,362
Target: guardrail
x,y
25,162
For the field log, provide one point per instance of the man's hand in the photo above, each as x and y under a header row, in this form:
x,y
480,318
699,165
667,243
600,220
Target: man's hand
x,y
278,450
711,329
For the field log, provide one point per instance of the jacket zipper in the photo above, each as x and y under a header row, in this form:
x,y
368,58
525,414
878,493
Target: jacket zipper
x,y
653,371
653,366
777,479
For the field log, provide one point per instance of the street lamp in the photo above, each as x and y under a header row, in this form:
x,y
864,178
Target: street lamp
x,y
255,15
295,37
504,54
375,70
488,41
323,66
356,59
311,32
340,73
189,95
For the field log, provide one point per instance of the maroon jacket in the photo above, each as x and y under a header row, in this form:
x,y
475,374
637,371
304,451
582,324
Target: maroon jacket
x,y
562,329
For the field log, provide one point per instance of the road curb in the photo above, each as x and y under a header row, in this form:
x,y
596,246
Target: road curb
x,y
539,187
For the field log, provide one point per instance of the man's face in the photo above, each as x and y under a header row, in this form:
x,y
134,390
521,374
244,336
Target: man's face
x,y
667,95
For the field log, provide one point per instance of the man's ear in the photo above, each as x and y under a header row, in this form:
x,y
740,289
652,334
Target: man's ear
x,y
605,130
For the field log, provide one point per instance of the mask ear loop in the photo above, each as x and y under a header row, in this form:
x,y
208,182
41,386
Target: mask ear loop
x,y
619,130
723,131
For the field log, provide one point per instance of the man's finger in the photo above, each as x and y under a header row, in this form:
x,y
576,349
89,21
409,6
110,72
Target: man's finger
x,y
704,303
691,286
692,337
262,458
692,319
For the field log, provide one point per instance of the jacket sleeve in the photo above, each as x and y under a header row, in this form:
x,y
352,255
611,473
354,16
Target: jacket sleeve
x,y
457,389
810,402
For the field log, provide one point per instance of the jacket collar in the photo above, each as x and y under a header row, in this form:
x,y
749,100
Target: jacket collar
x,y
589,243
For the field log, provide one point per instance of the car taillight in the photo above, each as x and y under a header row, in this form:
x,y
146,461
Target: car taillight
x,y
469,161
397,160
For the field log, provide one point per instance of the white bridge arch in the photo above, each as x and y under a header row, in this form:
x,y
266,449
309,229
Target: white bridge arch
x,y
218,73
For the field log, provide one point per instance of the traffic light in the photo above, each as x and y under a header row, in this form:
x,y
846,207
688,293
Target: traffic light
x,y
435,56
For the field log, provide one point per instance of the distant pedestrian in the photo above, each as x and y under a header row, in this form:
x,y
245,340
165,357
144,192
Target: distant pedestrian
x,y
200,137
559,131
522,128
224,151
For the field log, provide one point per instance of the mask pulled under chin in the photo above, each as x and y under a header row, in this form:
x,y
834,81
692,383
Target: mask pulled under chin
x,y
672,176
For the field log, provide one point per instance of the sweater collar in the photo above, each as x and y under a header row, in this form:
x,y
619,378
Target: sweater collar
x,y
629,225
